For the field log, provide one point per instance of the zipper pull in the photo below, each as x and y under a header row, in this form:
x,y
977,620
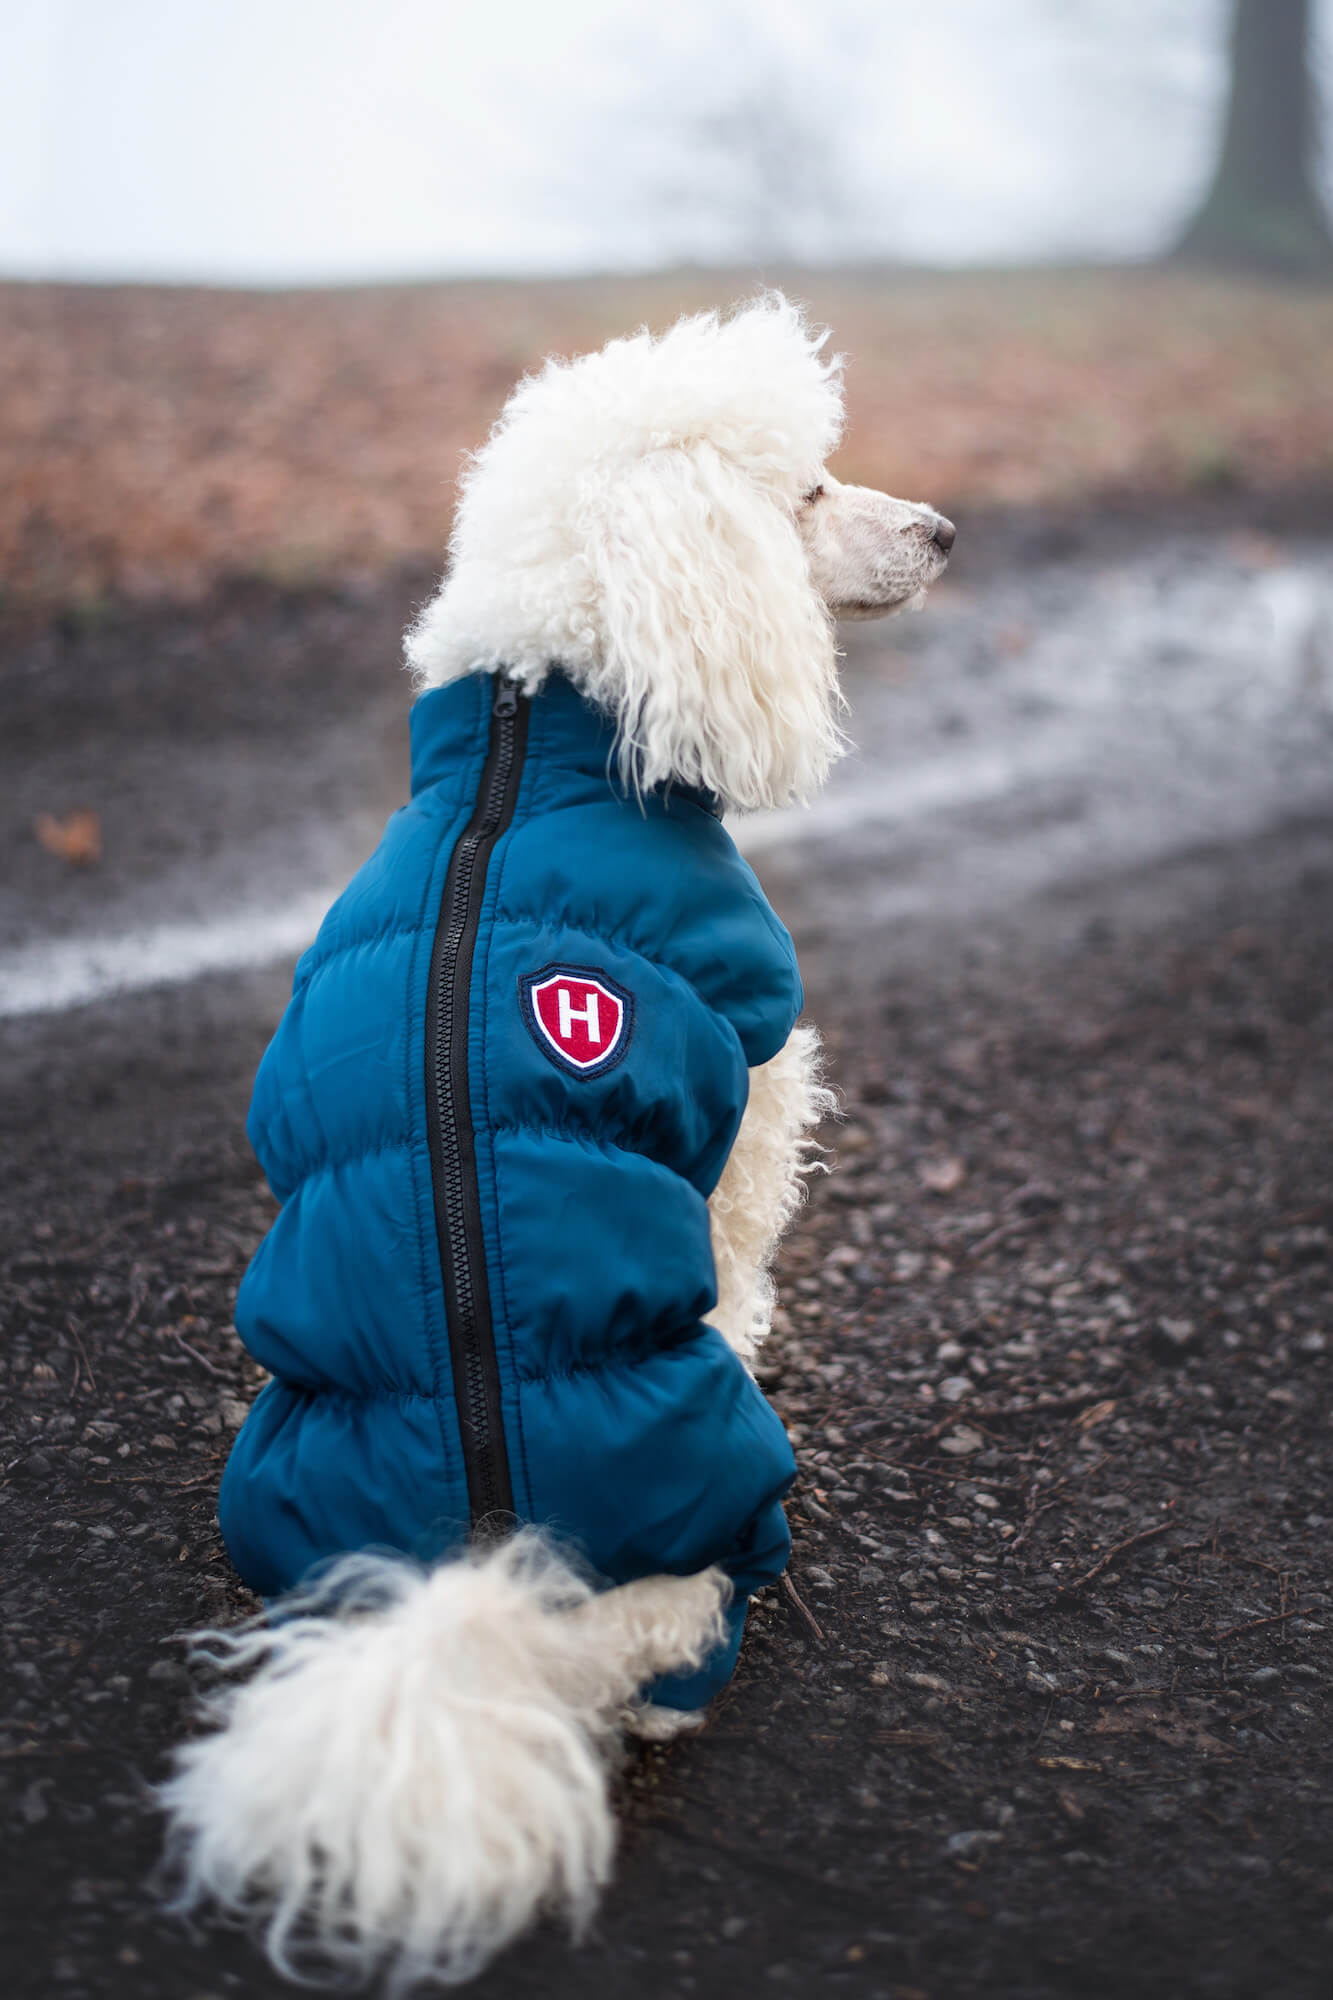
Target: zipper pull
x,y
506,698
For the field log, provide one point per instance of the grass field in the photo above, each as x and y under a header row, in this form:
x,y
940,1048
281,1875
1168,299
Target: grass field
x,y
154,441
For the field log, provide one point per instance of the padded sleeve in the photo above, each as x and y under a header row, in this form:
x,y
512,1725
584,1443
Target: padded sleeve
x,y
666,883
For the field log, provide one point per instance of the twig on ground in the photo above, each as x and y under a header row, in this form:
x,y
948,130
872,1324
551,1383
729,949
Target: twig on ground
x,y
1003,1413
85,1251
1254,1625
1120,1549
953,1478
1039,1500
154,1479
794,1598
1007,1231
138,1293
202,1359
83,1356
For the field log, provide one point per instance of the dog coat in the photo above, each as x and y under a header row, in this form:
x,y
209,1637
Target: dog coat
x,y
512,1068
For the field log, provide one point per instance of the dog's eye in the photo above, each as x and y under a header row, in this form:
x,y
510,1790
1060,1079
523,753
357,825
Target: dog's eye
x,y
815,493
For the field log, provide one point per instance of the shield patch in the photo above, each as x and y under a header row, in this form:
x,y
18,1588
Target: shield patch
x,y
580,1018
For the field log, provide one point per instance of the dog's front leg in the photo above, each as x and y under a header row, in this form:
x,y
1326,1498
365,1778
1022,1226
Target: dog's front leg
x,y
762,1186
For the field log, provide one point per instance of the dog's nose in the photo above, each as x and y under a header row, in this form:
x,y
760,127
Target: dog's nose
x,y
944,534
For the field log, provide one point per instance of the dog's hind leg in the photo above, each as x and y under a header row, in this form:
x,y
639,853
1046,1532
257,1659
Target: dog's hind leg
x,y
762,1186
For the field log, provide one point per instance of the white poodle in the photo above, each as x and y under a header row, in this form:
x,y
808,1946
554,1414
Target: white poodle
x,y
416,1766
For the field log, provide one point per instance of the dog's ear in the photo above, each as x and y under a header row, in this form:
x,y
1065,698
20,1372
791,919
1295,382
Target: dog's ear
x,y
719,661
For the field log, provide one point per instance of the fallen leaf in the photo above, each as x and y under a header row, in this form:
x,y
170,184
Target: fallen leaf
x,y
77,838
1176,1728
1068,1764
1098,1414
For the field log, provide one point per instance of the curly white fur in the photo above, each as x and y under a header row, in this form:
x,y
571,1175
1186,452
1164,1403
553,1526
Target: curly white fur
x,y
416,1766
656,520
762,1186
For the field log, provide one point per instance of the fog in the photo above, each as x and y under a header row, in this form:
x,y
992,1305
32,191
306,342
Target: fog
x,y
292,141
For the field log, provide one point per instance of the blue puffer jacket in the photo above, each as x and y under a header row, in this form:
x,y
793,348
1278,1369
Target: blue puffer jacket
x,y
510,1074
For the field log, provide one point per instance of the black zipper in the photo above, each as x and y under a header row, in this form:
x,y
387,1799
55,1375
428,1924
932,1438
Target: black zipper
x,y
453,1156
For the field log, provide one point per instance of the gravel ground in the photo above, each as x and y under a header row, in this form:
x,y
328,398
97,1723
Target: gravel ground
x,y
1045,1712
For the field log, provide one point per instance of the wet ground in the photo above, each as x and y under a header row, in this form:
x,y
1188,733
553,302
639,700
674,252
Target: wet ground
x,y
1046,1713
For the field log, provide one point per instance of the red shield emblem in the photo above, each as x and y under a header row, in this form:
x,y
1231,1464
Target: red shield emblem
x,y
579,1018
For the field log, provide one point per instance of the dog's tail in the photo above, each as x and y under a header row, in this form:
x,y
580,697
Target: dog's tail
x,y
415,1763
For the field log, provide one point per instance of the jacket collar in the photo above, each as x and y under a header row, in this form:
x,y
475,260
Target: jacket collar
x,y
449,725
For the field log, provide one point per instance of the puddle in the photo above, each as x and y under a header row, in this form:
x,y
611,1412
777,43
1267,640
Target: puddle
x,y
1058,724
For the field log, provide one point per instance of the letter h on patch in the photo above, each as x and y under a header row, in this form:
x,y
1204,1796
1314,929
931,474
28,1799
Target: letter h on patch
x,y
579,1018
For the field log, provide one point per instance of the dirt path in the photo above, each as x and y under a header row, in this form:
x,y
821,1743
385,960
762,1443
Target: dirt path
x,y
1051,1717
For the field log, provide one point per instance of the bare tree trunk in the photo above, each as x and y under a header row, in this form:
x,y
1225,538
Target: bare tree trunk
x,y
1263,209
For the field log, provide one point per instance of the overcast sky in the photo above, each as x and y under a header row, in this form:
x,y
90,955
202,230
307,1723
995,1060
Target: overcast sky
x,y
288,141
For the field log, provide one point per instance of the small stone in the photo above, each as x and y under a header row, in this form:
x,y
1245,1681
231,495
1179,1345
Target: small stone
x,y
942,1176
954,1387
32,1805
962,1441
965,1846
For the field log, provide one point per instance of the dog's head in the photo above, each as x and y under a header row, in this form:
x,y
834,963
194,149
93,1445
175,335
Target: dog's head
x,y
657,521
